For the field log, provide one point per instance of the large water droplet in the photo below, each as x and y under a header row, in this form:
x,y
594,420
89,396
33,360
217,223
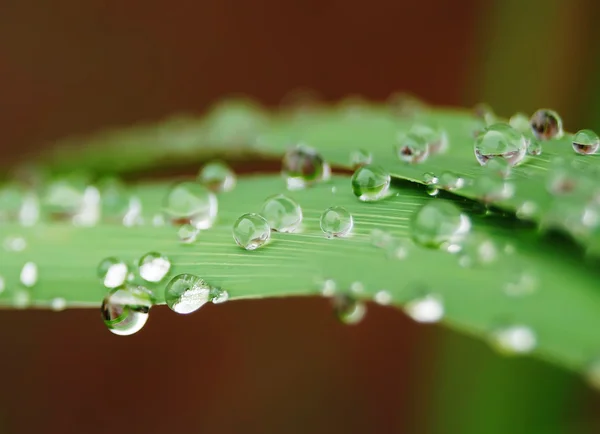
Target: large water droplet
x,y
520,122
29,274
125,309
190,202
217,176
500,141
586,142
412,148
112,272
336,222
426,309
546,124
251,231
153,267
439,223
187,293
360,157
347,309
370,183
450,181
514,339
303,166
282,213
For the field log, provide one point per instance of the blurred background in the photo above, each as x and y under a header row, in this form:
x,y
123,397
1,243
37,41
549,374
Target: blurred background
x,y
279,366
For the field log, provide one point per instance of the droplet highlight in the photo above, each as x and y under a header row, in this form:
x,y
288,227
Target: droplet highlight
x,y
426,309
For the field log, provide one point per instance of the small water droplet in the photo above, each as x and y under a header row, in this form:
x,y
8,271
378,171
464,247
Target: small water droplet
x,y
191,203
436,139
426,309
484,112
282,213
439,223
63,197
158,220
370,183
360,157
303,166
21,298
520,122
546,124
58,303
112,272
336,222
251,231
187,233
219,296
347,309
125,309
29,212
89,211
153,267
527,210
357,287
432,190
534,147
500,141
383,297
187,293
412,148
29,274
15,244
328,287
586,142
114,199
133,215
429,178
478,251
217,176
491,189
514,339
450,181
524,284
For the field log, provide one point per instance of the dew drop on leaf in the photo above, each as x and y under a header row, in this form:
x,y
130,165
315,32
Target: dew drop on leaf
x,y
336,222
450,181
153,267
370,183
546,124
360,157
303,166
191,203
412,149
58,303
217,176
586,142
282,213
500,141
383,297
187,233
426,309
429,178
514,339
125,309
347,309
439,223
491,189
251,231
534,147
29,275
112,272
520,122
186,293
436,139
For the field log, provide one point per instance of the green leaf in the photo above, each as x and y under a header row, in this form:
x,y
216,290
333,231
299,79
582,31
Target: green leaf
x,y
554,290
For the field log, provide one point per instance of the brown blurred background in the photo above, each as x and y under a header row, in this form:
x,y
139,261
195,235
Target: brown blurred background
x,y
279,366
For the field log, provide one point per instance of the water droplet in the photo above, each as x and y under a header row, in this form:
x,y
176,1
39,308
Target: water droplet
x,y
520,122
439,223
336,222
112,272
191,203
477,251
412,149
370,183
515,339
2,284
217,176
328,287
484,112
534,147
187,293
153,267
282,213
219,296
586,142
436,139
383,297
251,231
114,199
187,233
21,298
546,124
498,167
525,284
125,309
133,215
360,157
450,181
303,166
347,309
357,287
29,212
158,220
500,141
432,190
58,303
29,274
15,244
426,309
490,189
429,178
64,197
527,210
